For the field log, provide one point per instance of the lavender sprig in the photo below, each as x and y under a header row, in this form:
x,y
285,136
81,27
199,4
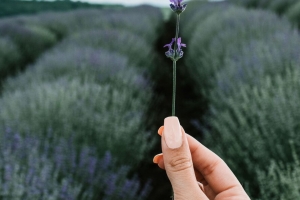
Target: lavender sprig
x,y
175,53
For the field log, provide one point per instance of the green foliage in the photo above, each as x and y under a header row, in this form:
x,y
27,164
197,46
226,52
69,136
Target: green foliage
x,y
222,34
10,56
30,40
143,20
110,119
121,41
293,14
246,67
16,7
281,181
280,6
92,61
15,182
247,3
36,167
197,13
251,61
90,87
83,62
256,123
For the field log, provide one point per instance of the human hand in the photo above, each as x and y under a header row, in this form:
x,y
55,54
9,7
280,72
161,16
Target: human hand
x,y
187,162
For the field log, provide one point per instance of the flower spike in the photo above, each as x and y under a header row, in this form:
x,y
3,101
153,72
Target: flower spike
x,y
177,6
171,53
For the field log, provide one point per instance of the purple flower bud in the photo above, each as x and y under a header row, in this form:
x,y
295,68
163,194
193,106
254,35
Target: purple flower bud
x,y
177,7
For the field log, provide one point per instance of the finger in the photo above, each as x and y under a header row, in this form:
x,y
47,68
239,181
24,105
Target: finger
x,y
198,175
214,170
160,130
178,161
159,160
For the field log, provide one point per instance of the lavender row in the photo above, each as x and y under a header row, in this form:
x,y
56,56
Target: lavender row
x,y
143,20
106,116
34,168
287,8
246,64
279,6
89,89
83,62
21,45
29,36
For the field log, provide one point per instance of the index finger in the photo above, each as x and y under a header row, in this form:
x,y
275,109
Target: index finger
x,y
215,171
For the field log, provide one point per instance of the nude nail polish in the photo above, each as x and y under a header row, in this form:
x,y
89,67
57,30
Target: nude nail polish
x,y
172,132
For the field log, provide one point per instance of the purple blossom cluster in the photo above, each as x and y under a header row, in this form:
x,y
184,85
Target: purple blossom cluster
x,y
173,53
177,6
48,168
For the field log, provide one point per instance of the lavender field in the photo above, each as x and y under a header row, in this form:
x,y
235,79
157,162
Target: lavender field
x,y
74,98
83,92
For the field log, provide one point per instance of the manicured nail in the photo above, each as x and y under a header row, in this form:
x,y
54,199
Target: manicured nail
x,y
157,157
160,130
172,132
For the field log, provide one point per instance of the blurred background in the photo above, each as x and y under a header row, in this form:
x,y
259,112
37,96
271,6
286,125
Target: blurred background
x,y
84,86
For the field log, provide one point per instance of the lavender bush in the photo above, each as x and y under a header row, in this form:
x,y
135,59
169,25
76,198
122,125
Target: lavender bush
x,y
252,93
197,13
28,173
112,40
211,46
146,17
36,168
31,40
26,42
279,6
10,56
86,63
34,34
281,181
293,14
258,123
107,121
255,60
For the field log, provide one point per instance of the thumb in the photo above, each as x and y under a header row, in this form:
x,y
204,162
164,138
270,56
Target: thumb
x,y
178,162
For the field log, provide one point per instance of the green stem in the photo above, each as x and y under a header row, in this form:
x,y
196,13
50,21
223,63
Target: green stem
x,y
174,88
177,26
174,66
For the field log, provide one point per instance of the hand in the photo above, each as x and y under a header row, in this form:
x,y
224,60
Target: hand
x,y
195,172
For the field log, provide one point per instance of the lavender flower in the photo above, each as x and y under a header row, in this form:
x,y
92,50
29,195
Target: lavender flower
x,y
33,165
171,53
177,7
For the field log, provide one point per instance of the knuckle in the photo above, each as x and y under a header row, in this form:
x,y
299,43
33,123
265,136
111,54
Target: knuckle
x,y
180,163
210,168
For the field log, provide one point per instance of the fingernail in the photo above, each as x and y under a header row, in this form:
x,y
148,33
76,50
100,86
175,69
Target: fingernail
x,y
156,158
160,130
172,132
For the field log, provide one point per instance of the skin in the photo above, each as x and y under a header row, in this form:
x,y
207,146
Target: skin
x,y
192,163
